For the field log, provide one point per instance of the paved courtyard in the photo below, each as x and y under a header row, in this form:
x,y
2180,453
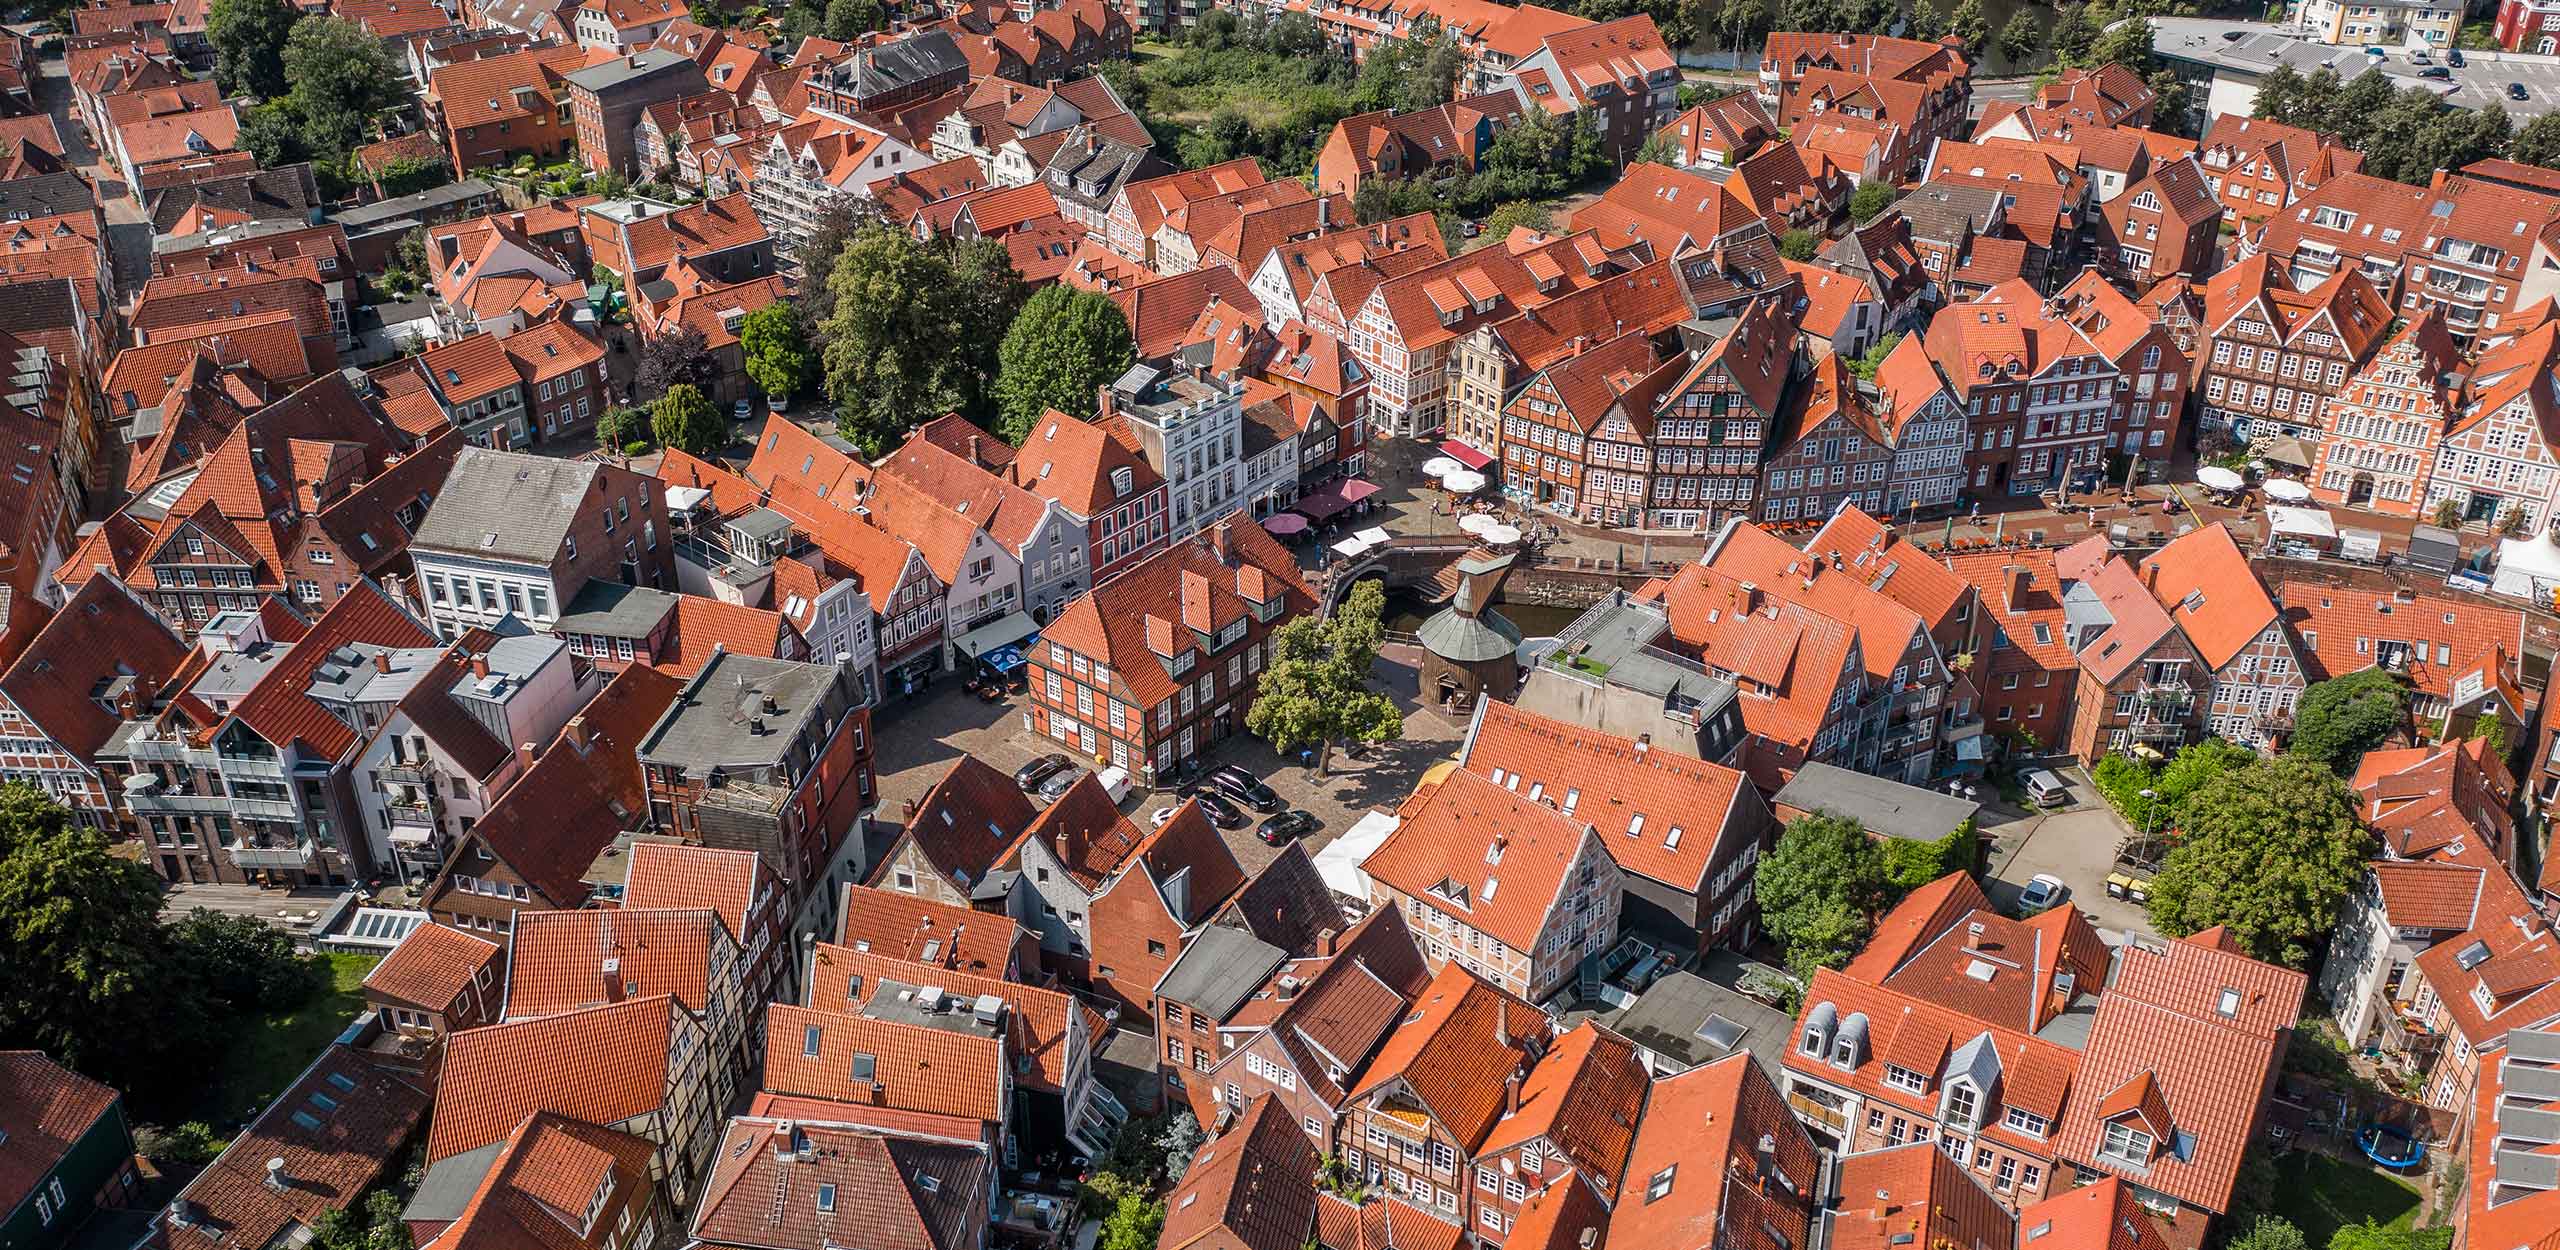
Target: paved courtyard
x,y
918,741
2076,843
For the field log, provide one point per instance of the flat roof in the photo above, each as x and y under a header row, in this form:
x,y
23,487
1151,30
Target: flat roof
x,y
709,725
1882,806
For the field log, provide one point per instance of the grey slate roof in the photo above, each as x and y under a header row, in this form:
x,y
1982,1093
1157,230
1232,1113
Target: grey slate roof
x,y
708,725
888,67
1454,637
284,193
1945,212
1887,807
505,505
628,69
46,194
367,216
1218,969
614,610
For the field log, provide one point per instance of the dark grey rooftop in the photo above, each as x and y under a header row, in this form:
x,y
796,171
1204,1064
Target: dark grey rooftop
x,y
887,67
624,70
711,724
1218,969
1689,1021
933,1007
367,216
447,1188
505,505
614,610
1887,807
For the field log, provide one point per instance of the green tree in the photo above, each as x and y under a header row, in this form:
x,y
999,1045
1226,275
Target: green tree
x,y
2371,1236
2448,513
2268,1232
272,133
374,1225
2340,719
850,19
1969,24
684,419
79,930
2072,36
2538,143
2280,95
896,345
1065,343
1134,1223
1315,692
2492,733
2019,38
1866,365
840,217
776,346
2270,850
1799,244
342,76
1910,864
1819,890
1499,223
248,38
241,963
676,355
1928,21
1871,199
619,426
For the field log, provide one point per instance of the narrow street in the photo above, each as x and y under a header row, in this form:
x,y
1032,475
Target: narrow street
x,y
128,231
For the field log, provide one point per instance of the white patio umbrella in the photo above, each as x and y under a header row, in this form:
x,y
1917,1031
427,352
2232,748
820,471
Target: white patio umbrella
x,y
2215,477
1501,535
2287,490
1477,523
1463,482
1441,466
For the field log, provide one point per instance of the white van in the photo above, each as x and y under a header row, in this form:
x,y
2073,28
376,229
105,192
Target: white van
x,y
2045,788
1115,782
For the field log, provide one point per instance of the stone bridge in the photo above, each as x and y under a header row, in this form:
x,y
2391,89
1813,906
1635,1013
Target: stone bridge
x,y
1424,562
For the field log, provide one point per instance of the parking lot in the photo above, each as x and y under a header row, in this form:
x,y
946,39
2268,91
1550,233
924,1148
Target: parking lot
x,y
2075,842
918,740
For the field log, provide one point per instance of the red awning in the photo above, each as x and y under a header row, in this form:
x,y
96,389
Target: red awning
x,y
1465,455
1333,497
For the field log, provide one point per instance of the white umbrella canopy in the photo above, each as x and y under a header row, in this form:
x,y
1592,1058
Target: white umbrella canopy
x,y
1501,535
1375,536
1350,548
1463,482
1441,466
1477,522
2287,489
2215,477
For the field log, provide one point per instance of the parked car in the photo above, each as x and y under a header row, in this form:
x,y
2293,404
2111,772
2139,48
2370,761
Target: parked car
x,y
1220,812
2516,91
1115,782
742,410
2453,57
2420,57
1281,829
2042,892
1056,787
2045,787
1245,788
1030,775
2437,72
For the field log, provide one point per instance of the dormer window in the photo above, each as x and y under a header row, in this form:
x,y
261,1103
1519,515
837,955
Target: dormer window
x,y
1904,1079
1963,1106
2026,1122
2126,1144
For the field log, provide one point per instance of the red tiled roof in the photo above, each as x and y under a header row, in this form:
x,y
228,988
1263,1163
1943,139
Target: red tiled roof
x,y
1044,1027
1685,805
583,789
1124,621
281,708
2161,1023
904,926
562,961
45,1109
914,1068
1916,1195
536,1193
103,635
342,1126
1465,1038
432,966
886,1188
1699,1140
604,1065
1583,1100
1448,842
676,875
2205,584
1252,1187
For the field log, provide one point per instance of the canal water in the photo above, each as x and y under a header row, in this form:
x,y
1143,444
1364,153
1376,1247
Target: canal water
x,y
1406,612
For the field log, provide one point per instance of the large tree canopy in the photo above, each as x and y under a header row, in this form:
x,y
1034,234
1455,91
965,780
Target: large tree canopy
x,y
1819,890
914,330
775,343
248,38
1316,690
1064,344
2269,850
2340,719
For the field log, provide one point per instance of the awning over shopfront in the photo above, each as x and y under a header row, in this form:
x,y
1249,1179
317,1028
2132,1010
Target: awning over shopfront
x,y
1465,455
1004,631
1333,497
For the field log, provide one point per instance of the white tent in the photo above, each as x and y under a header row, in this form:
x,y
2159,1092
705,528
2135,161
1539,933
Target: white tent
x,y
1350,548
1339,862
2302,522
2528,568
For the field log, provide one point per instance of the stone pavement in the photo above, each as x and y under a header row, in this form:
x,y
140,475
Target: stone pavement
x,y
919,739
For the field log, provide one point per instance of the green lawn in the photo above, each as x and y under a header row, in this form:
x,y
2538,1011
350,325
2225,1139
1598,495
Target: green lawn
x,y
2321,1195
271,1051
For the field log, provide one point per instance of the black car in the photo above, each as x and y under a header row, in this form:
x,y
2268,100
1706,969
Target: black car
x,y
1281,829
2436,72
2516,91
1220,812
1030,775
2453,57
2234,36
1243,788
1059,782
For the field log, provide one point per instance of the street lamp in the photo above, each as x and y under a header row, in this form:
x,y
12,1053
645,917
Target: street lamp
x,y
2150,809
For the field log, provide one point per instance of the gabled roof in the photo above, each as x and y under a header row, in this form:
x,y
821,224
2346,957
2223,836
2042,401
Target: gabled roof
x,y
497,1074
560,961
1582,1101
964,823
281,710
431,966
1699,1141
1489,858
1681,805
1174,601
929,933
881,1188
103,646
1915,1194
2205,584
45,1109
914,1068
1043,1026
1252,1187
1463,1041
340,1128
541,1183
583,788
675,875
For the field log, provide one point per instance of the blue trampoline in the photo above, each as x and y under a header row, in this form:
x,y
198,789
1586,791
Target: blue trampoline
x,y
2391,1147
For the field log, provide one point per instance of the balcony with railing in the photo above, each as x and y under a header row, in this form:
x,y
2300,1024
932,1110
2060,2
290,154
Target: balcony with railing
x,y
264,809
1808,1108
252,856
250,765
414,772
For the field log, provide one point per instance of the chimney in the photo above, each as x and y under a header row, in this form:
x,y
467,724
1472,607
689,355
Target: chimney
x,y
2016,575
1511,1093
1750,598
1219,543
276,1179
576,732
1973,936
382,661
612,972
974,457
524,754
1502,1022
1324,213
1326,940
480,665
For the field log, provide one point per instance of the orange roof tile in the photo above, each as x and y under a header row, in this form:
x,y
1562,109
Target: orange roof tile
x,y
432,966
